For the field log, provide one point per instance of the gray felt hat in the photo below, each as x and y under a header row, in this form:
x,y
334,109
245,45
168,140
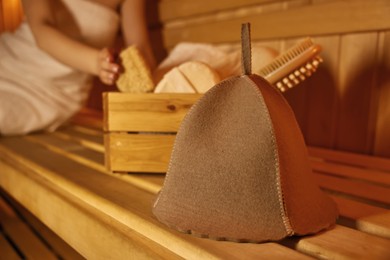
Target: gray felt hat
x,y
239,168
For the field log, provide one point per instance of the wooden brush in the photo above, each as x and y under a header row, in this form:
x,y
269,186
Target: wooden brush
x,y
293,66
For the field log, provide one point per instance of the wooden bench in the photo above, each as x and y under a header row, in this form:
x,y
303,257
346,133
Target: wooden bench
x,y
61,179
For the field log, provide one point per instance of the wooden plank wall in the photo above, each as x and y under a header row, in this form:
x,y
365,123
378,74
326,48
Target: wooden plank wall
x,y
345,106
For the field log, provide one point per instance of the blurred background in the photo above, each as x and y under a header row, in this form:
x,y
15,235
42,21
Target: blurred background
x,y
344,106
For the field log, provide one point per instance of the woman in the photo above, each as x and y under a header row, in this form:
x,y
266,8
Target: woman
x,y
46,64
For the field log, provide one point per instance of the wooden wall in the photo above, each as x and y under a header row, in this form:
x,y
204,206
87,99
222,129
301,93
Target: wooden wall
x,y
345,105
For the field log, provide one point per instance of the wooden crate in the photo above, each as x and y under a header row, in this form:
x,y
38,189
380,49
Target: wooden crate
x,y
140,129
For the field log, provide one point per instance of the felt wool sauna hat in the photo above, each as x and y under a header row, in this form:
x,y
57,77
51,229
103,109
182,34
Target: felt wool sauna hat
x,y
239,168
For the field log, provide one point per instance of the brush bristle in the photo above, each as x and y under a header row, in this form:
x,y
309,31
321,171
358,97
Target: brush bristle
x,y
293,66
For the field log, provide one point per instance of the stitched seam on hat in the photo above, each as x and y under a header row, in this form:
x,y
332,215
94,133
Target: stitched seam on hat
x,y
282,206
181,126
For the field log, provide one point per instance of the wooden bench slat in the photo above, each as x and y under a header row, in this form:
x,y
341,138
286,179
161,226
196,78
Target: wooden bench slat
x,y
83,156
91,141
29,244
366,218
356,210
79,134
68,148
372,176
88,131
90,138
5,210
360,160
26,240
62,249
146,179
377,224
345,243
360,189
121,201
6,250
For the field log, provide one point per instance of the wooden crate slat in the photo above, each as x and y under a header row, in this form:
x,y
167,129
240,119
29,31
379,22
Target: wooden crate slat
x,y
146,112
138,152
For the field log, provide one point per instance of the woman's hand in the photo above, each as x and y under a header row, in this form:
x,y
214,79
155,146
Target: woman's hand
x,y
108,70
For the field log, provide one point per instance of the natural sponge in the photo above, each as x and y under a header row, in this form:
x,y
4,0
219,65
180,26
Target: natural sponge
x,y
136,77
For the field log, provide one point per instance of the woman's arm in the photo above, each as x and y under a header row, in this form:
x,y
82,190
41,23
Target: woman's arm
x,y
135,29
75,54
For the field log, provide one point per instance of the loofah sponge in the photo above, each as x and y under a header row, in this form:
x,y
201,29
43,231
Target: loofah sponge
x,y
136,77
